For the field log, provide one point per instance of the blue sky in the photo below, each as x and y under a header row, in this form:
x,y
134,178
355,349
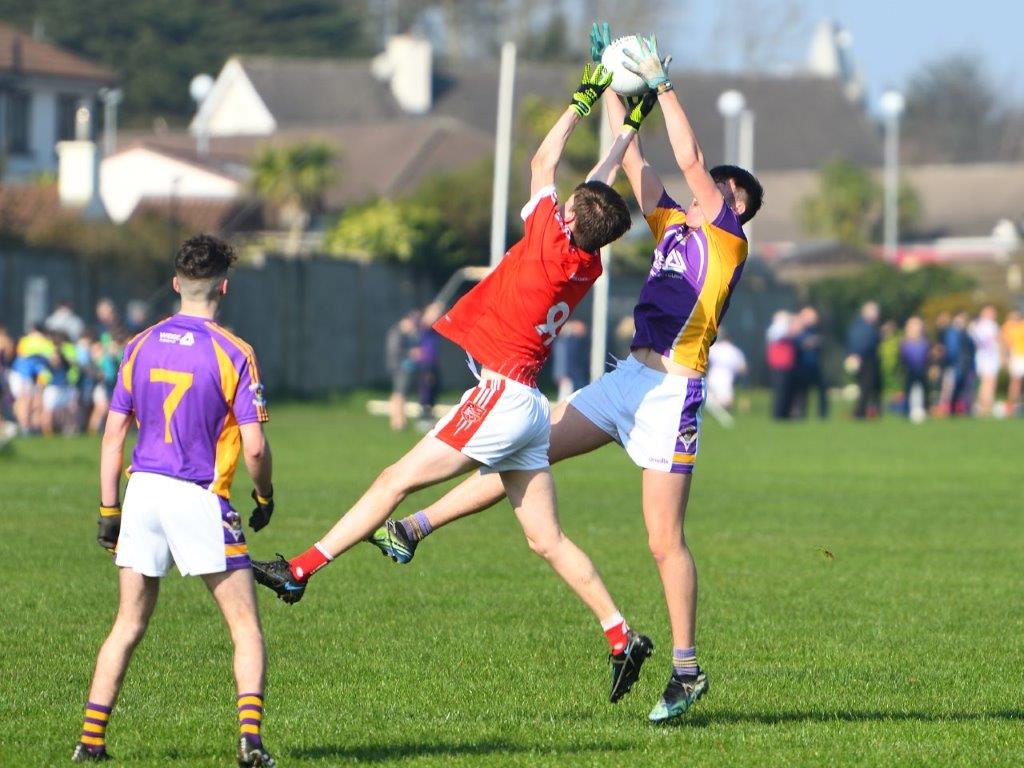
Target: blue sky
x,y
891,38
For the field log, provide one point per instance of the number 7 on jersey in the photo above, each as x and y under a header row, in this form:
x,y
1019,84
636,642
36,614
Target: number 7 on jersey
x,y
181,381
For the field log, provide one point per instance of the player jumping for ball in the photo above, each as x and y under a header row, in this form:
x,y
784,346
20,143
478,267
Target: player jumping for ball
x,y
651,403
507,324
195,391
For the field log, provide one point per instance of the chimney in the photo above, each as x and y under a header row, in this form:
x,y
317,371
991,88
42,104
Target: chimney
x,y
78,170
407,66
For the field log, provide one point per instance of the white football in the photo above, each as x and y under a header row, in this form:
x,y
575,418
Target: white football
x,y
624,82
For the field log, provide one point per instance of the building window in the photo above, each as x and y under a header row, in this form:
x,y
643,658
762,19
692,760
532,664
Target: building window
x,y
17,122
66,106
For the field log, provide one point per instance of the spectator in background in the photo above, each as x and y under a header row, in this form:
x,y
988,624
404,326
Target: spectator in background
x,y
399,348
862,340
809,373
985,334
726,361
915,351
8,429
104,361
569,359
428,364
60,393
64,320
781,358
108,323
137,317
1013,341
29,373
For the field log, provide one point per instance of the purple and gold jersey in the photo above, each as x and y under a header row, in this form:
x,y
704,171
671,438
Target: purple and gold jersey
x,y
190,384
693,273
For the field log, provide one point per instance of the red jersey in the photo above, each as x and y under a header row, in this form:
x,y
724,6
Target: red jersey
x,y
508,321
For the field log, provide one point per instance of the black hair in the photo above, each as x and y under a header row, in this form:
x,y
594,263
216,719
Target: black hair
x,y
745,181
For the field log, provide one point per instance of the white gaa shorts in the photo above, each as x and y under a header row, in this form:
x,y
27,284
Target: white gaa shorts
x,y
500,423
1016,366
655,416
164,519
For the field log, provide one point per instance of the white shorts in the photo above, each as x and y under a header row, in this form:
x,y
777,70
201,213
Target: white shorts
x,y
57,397
18,385
164,519
500,423
654,416
987,364
1016,366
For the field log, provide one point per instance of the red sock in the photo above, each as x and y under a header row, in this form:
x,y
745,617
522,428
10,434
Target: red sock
x,y
308,563
617,638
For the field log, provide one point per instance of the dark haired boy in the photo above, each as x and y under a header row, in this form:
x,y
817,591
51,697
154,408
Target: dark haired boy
x,y
194,389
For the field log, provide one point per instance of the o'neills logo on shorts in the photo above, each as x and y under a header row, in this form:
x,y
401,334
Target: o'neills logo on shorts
x,y
470,414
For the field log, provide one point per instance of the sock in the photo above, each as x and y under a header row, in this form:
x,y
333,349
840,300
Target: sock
x,y
94,727
250,716
684,661
309,562
416,527
615,629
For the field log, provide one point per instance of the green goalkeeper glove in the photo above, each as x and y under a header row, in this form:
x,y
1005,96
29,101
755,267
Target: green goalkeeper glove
x,y
600,38
109,527
592,85
639,108
648,64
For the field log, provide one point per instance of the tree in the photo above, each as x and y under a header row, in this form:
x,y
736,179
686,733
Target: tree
x,y
294,178
848,205
158,46
953,112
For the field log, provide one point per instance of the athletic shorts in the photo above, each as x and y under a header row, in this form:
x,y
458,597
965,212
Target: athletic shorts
x,y
655,416
1016,366
500,423
164,519
57,397
19,385
987,364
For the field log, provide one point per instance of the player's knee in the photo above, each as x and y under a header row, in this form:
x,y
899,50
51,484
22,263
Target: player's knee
x,y
545,546
665,547
394,482
130,631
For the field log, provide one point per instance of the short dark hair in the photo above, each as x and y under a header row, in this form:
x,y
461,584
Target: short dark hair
x,y
202,257
746,181
602,216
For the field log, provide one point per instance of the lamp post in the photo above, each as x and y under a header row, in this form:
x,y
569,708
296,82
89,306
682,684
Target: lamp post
x,y
110,97
892,104
730,106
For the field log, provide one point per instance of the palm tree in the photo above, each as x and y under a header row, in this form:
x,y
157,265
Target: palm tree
x,y
294,178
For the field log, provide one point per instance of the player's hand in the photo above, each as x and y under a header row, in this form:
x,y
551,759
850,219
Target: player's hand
x,y
592,85
109,527
261,513
648,64
600,38
639,107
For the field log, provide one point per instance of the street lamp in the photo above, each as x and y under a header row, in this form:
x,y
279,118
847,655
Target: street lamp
x,y
730,106
892,105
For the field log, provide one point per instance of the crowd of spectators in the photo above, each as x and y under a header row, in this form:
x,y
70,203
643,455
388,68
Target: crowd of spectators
x,y
58,377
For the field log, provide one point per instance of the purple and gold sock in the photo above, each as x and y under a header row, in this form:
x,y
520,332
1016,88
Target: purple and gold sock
x,y
684,662
94,727
250,716
416,526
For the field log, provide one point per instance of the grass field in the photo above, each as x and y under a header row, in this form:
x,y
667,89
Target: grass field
x,y
905,648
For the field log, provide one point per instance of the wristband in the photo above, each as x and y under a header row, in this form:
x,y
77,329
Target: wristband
x,y
263,500
111,511
665,87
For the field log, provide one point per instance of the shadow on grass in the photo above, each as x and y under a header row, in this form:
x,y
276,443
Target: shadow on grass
x,y
377,753
702,720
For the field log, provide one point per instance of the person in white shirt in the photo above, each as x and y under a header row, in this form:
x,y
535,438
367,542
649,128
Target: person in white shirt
x,y
726,361
987,357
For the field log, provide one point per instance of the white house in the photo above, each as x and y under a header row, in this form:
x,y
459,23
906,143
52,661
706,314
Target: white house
x,y
41,88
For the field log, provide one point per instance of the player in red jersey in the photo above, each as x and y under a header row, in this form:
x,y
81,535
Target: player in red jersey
x,y
507,324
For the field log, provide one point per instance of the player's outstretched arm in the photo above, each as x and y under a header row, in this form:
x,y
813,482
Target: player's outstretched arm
x,y
545,160
687,151
111,463
256,451
645,182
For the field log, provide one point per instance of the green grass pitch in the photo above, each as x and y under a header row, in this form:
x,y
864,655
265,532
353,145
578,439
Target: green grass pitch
x,y
860,604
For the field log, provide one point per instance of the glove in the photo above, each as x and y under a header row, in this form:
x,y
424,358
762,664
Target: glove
x,y
648,64
639,108
600,38
109,527
592,85
264,509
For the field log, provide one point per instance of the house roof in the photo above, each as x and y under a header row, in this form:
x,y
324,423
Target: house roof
x,y
801,121
385,159
21,53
